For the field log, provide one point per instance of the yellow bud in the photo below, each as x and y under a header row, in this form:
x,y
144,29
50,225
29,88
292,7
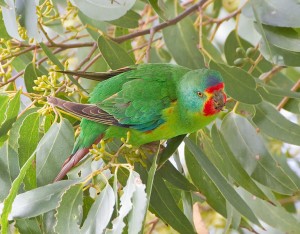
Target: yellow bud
x,y
230,5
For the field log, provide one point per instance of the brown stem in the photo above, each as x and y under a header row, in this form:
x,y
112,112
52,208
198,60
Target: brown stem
x,y
163,25
285,99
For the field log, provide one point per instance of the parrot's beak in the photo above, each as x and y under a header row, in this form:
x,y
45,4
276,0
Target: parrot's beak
x,y
219,99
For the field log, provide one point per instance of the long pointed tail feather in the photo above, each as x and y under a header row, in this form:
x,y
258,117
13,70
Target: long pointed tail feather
x,y
74,159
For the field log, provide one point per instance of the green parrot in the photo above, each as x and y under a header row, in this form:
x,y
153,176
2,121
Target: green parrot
x,y
151,101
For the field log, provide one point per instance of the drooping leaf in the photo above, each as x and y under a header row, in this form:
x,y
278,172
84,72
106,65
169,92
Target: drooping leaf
x,y
185,35
28,141
31,73
10,19
275,12
53,149
271,122
115,56
222,184
55,60
26,10
204,184
10,116
275,216
104,10
37,201
233,166
137,214
129,20
163,204
69,211
173,176
235,77
248,147
31,226
156,7
100,213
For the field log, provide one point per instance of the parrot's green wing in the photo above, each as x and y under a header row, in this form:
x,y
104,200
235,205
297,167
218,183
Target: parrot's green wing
x,y
142,99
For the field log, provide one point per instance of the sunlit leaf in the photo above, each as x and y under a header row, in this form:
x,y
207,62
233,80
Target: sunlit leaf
x,y
104,10
53,149
69,211
115,56
235,77
185,35
271,122
222,184
100,213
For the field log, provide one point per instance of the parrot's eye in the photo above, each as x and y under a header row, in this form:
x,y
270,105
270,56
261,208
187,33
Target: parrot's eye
x,y
200,94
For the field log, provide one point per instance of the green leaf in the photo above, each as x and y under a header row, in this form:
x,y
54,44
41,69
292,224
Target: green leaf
x,y
100,212
233,166
280,92
163,204
126,204
173,176
28,141
280,56
7,206
271,122
138,211
4,100
275,216
3,31
275,12
10,114
235,77
69,211
26,10
31,226
155,5
129,20
6,174
232,53
34,202
10,20
172,145
182,39
248,147
53,149
225,188
31,73
55,60
115,56
106,10
204,184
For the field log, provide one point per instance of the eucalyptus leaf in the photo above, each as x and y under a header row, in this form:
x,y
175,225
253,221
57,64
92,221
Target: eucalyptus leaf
x,y
100,213
271,122
275,12
184,34
53,149
275,216
115,56
69,212
234,77
225,188
247,146
104,10
28,141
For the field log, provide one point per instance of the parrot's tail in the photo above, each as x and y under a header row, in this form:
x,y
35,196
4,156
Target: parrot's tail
x,y
74,159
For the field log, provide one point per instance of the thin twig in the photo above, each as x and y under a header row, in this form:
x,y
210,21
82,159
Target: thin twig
x,y
163,25
285,99
268,75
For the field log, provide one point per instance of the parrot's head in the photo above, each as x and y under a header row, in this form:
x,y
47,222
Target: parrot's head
x,y
202,91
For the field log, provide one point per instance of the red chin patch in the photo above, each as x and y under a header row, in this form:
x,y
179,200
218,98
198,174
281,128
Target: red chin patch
x,y
209,108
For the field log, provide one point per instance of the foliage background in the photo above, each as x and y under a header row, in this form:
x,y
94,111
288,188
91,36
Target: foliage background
x,y
234,175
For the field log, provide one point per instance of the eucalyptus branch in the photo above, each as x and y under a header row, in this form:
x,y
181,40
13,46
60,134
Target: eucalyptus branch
x,y
163,25
286,99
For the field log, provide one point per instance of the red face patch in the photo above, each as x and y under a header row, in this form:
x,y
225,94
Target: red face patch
x,y
209,106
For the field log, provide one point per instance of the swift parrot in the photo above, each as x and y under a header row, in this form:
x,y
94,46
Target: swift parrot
x,y
151,101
